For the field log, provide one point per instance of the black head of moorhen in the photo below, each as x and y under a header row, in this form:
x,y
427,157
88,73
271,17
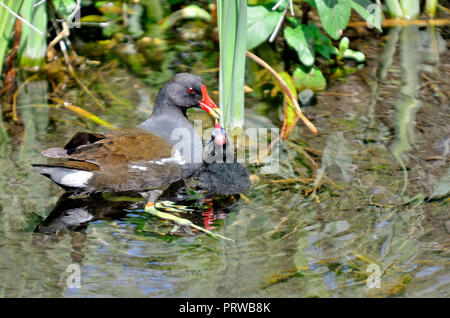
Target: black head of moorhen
x,y
145,159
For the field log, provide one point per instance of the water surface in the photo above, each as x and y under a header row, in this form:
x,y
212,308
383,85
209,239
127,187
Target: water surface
x,y
379,164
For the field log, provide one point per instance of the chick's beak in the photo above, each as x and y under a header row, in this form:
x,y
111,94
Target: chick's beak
x,y
208,105
220,137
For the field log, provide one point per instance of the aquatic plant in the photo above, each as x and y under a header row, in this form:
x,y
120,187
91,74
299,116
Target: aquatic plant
x,y
404,9
232,23
9,10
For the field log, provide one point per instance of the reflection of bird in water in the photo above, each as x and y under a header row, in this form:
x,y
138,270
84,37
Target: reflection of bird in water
x,y
71,217
73,214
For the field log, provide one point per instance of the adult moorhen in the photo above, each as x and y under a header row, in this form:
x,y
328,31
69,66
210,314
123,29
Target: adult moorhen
x,y
147,159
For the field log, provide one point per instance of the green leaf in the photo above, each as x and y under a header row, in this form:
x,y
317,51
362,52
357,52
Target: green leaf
x,y
312,3
326,50
317,34
290,112
309,78
64,7
294,21
297,40
33,46
369,11
7,21
343,44
334,15
355,55
321,42
232,26
260,24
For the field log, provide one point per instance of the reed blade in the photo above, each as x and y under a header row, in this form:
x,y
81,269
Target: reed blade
x,y
232,25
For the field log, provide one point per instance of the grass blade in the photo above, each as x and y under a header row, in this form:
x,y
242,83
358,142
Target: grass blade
x,y
232,24
7,24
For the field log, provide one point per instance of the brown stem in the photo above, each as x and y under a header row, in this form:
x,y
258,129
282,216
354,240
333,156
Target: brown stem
x,y
287,91
305,11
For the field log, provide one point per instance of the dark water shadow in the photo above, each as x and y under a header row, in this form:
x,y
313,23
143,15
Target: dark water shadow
x,y
72,215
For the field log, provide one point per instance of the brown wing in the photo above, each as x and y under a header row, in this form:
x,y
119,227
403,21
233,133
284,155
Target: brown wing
x,y
118,148
121,160
78,165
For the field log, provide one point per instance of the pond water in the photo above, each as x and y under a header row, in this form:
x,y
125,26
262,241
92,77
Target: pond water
x,y
380,205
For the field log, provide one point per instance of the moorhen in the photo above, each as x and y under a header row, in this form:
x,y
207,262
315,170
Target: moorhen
x,y
146,159
220,173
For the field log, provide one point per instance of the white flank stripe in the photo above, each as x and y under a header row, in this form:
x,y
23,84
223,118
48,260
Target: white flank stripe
x,y
177,158
76,179
139,167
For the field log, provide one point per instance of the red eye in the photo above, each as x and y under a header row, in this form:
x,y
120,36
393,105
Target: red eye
x,y
190,90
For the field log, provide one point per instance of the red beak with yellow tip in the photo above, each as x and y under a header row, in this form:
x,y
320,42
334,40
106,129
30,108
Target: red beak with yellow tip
x,y
208,105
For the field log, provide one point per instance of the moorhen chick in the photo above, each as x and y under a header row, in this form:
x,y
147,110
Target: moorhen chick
x,y
220,173
146,159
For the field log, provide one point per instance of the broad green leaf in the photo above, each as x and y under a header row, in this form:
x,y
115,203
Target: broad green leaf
x,y
369,11
334,15
309,78
326,50
321,42
260,24
297,40
317,34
